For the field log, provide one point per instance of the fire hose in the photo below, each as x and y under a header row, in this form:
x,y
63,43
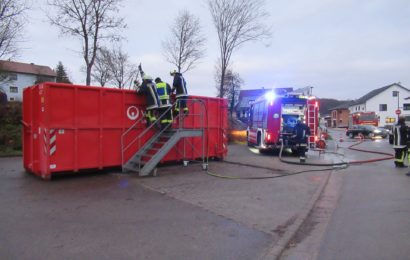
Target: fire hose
x,y
330,166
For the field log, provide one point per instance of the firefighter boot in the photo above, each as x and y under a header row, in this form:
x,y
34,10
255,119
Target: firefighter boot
x,y
302,159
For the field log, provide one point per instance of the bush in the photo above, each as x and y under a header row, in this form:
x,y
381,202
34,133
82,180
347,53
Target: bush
x,y
10,126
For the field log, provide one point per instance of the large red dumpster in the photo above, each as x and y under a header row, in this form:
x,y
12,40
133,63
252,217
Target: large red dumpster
x,y
71,127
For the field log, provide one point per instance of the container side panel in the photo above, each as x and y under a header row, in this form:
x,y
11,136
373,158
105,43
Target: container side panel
x,y
112,109
88,107
27,129
38,107
88,149
63,153
61,105
111,147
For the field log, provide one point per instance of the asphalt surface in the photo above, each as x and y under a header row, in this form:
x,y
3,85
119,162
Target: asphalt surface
x,y
181,214
372,219
363,213
111,217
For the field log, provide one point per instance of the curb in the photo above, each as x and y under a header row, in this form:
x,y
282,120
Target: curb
x,y
279,247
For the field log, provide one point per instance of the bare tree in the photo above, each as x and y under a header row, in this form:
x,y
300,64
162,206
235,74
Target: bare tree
x,y
232,87
121,69
11,26
92,21
237,22
185,46
101,72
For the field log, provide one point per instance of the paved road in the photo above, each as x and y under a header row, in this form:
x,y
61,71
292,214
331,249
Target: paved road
x,y
372,220
108,216
364,213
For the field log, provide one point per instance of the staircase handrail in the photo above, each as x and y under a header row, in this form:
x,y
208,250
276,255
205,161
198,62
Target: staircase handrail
x,y
180,126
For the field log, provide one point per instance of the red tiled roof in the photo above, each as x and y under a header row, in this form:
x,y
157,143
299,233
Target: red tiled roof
x,y
27,68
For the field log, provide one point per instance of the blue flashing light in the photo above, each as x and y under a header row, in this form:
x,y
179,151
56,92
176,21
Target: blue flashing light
x,y
270,96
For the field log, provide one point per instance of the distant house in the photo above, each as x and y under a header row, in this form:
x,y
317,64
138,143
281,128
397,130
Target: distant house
x,y
384,102
15,76
340,115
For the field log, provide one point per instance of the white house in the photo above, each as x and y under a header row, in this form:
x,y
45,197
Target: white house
x,y
384,101
15,76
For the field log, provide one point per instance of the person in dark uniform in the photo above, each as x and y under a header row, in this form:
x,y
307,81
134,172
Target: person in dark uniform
x,y
179,86
164,91
300,136
400,132
149,90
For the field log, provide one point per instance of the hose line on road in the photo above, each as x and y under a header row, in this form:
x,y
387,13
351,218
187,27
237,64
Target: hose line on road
x,y
389,156
329,166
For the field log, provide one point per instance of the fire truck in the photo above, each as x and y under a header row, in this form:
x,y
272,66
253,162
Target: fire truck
x,y
273,117
363,118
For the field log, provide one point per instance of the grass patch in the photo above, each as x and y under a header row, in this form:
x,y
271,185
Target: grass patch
x,y
9,152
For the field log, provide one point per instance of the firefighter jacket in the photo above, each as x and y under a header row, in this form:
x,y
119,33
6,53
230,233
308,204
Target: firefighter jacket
x,y
400,133
149,89
179,85
164,90
300,133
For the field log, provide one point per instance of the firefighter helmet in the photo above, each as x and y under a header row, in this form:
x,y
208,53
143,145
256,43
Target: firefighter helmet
x,y
147,77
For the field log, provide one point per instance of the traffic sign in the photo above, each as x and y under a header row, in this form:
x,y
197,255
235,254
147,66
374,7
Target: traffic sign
x,y
398,111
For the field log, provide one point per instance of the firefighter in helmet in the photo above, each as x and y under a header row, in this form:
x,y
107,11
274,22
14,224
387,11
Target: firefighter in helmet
x,y
149,89
300,135
179,86
164,90
400,133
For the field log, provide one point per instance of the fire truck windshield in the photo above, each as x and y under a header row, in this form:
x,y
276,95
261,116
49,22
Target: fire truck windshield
x,y
367,117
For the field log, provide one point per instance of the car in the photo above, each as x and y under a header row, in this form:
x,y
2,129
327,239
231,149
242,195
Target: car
x,y
367,131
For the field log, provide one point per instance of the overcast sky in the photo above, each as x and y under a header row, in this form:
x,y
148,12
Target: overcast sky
x,y
343,49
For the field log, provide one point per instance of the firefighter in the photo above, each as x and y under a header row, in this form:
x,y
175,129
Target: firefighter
x,y
179,86
148,88
300,136
400,133
164,90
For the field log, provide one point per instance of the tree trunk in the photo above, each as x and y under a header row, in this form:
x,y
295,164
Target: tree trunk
x,y
88,77
221,87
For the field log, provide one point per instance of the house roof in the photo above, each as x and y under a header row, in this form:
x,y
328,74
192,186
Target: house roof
x,y
344,105
26,68
374,93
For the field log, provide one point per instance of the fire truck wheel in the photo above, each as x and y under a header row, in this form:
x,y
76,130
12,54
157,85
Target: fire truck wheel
x,y
351,135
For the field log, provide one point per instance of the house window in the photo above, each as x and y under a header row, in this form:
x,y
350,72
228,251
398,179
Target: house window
x,y
12,76
406,106
383,107
14,89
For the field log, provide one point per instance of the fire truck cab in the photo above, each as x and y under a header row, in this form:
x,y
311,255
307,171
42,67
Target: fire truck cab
x,y
273,117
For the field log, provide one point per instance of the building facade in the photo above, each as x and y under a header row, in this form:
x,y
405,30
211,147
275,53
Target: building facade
x,y
15,76
340,115
384,102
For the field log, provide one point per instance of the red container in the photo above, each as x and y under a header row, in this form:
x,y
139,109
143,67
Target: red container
x,y
72,128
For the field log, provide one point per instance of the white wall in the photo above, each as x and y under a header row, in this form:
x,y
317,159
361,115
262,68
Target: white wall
x,y
386,97
23,81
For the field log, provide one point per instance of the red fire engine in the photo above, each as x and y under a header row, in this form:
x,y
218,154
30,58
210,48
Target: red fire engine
x,y
363,118
274,116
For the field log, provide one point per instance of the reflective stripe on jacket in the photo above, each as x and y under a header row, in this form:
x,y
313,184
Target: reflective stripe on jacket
x,y
149,89
400,136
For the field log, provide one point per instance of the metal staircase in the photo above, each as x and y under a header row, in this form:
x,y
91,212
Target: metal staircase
x,y
150,153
